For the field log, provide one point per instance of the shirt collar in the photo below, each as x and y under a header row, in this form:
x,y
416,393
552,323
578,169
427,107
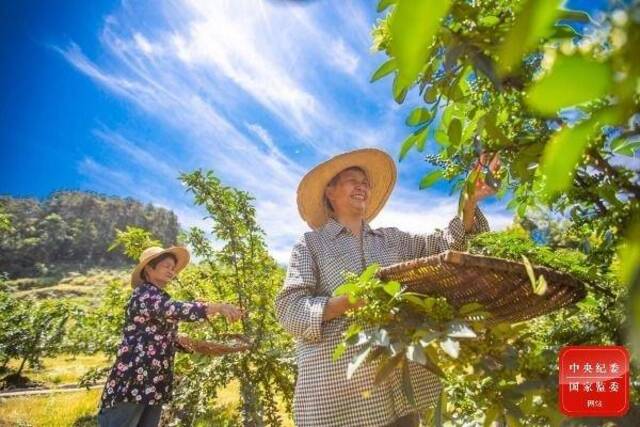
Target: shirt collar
x,y
333,228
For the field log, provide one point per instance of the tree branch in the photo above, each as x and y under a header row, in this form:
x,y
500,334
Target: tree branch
x,y
604,166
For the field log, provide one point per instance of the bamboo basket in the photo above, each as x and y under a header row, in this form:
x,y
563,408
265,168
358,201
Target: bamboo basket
x,y
501,286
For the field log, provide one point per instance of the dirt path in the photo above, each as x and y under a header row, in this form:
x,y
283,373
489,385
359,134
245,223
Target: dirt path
x,y
67,388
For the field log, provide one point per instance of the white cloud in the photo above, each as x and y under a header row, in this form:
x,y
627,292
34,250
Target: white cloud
x,y
256,91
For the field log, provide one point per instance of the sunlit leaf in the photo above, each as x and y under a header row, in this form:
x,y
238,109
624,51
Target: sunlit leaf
x,y
412,27
470,308
492,414
418,116
415,353
357,360
392,288
383,4
455,131
629,253
626,147
572,80
413,139
534,22
541,286
339,351
489,21
460,330
451,347
399,90
563,152
529,268
431,178
385,69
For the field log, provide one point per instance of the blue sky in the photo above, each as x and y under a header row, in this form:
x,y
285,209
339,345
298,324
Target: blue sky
x,y
119,97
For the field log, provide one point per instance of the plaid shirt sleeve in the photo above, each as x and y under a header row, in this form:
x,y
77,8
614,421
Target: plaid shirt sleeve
x,y
453,237
298,307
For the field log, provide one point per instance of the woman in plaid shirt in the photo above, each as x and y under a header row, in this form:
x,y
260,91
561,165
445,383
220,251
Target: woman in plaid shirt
x,y
338,199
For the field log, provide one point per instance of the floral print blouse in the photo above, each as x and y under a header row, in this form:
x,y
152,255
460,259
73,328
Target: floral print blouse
x,y
143,370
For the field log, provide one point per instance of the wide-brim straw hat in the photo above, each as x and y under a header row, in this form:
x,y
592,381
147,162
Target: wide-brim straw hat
x,y
379,167
181,254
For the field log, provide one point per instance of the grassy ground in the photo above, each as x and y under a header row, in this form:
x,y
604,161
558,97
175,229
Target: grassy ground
x,y
55,410
63,369
74,286
78,409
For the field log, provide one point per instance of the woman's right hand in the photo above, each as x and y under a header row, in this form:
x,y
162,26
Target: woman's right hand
x,y
230,312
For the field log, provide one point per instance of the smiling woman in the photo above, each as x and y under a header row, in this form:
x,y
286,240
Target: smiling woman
x,y
141,379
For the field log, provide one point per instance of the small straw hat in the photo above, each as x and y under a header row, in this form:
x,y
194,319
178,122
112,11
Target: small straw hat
x,y
181,254
379,167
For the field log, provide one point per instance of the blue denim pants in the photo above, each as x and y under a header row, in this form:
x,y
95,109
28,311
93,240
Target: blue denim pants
x,y
130,415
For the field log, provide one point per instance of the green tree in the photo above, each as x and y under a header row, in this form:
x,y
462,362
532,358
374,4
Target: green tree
x,y
242,272
550,90
554,93
30,330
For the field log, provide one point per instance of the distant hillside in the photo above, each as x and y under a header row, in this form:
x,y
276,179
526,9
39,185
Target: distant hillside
x,y
74,228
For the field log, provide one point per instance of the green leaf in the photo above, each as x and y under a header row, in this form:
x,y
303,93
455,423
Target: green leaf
x,y
455,131
339,351
413,300
386,368
489,21
381,338
428,337
369,272
626,147
533,23
357,360
399,90
629,255
415,353
451,347
385,69
572,80
392,288
345,289
492,414
564,32
412,28
541,286
575,15
563,152
417,137
459,329
442,404
470,308
383,4
529,268
431,178
418,116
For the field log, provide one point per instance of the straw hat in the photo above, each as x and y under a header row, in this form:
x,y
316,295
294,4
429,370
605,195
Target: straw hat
x,y
379,167
181,254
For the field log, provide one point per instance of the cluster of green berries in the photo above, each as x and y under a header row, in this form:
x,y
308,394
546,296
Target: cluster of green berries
x,y
450,168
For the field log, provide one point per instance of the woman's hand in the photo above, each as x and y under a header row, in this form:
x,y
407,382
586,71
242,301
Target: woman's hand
x,y
489,185
230,312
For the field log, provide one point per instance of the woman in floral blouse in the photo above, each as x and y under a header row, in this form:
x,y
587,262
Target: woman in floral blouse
x,y
141,379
